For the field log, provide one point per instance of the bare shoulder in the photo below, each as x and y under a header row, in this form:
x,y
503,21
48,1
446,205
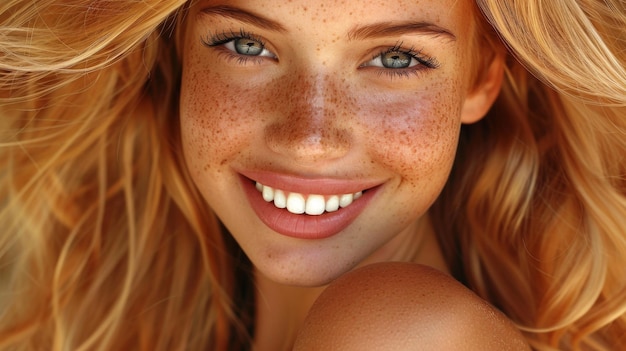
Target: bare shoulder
x,y
403,306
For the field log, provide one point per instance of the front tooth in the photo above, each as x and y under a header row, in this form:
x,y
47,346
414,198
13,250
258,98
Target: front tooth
x,y
268,193
280,200
332,204
315,205
295,203
345,200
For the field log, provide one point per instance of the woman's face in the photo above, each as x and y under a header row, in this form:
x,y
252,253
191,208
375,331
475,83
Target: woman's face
x,y
348,111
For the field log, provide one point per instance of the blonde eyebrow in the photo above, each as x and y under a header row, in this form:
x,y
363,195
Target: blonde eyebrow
x,y
244,16
376,30
388,29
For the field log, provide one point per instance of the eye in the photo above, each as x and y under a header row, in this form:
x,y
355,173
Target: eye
x,y
398,59
249,47
242,44
393,59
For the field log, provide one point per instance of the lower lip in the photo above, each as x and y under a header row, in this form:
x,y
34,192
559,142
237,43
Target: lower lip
x,y
304,226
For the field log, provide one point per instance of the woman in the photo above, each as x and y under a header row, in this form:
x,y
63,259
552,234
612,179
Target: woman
x,y
324,137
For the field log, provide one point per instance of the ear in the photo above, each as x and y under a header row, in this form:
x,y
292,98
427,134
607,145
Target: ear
x,y
484,93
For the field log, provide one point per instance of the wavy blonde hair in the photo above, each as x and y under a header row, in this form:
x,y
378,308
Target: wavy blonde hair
x,y
538,193
106,244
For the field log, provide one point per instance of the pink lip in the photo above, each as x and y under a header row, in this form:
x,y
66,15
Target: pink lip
x,y
304,226
321,186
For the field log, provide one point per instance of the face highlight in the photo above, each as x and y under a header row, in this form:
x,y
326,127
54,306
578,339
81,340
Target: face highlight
x,y
315,101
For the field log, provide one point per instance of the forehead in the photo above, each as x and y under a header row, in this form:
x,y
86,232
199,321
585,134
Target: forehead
x,y
457,15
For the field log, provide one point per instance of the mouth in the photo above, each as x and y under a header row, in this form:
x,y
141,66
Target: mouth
x,y
309,204
307,208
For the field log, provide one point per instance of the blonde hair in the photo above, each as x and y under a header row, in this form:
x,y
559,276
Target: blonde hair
x,y
106,245
101,230
538,193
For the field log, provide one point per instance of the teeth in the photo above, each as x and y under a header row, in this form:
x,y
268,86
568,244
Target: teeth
x,y
312,204
332,204
280,200
268,194
295,203
345,200
315,205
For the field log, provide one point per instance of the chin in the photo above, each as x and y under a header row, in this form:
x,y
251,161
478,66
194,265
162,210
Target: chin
x,y
302,275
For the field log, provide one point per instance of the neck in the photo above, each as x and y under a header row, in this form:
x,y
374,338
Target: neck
x,y
281,309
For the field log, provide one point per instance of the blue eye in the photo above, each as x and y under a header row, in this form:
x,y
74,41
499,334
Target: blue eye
x,y
241,43
400,59
393,59
249,47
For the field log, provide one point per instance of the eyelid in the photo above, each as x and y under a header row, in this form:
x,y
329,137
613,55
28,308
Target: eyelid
x,y
219,38
226,37
423,65
417,55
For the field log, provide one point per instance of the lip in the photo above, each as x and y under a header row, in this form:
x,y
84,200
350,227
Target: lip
x,y
302,185
304,226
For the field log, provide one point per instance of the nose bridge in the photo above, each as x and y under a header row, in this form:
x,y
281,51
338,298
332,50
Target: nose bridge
x,y
311,124
310,102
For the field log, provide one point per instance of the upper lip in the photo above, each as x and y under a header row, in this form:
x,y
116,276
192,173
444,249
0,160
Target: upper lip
x,y
309,185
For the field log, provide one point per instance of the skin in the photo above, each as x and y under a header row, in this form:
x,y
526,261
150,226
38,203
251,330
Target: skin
x,y
317,107
403,306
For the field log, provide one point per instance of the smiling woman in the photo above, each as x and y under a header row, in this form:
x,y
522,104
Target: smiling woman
x,y
257,174
326,118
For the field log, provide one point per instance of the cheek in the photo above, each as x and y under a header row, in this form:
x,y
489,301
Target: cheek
x,y
416,135
217,119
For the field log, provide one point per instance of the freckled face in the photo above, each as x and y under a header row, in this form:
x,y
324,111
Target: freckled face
x,y
358,92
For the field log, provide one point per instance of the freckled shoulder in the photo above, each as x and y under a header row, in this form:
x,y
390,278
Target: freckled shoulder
x,y
404,306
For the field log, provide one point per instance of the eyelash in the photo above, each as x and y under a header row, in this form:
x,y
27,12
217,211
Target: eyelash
x,y
424,62
218,39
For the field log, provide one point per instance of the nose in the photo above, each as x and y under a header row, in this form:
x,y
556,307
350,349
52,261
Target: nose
x,y
312,119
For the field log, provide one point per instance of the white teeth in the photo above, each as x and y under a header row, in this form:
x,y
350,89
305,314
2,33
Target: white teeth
x,y
268,194
312,204
332,204
345,200
280,200
295,203
315,205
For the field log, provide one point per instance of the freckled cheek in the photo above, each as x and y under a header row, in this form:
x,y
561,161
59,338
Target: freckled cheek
x,y
218,118
415,135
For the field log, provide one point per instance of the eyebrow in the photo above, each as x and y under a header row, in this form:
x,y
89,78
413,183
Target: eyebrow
x,y
387,29
244,16
376,30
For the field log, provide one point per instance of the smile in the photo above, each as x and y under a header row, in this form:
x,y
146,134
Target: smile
x,y
312,208
312,204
